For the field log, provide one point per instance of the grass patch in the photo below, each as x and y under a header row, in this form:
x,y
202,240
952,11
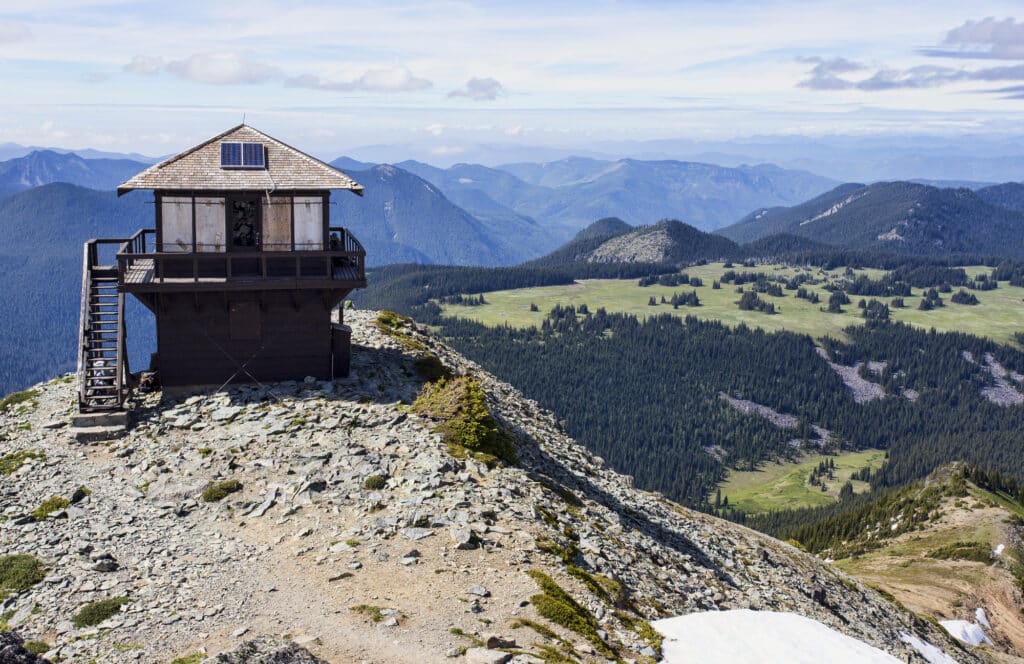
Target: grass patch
x,y
460,408
37,647
18,398
609,590
20,572
544,631
374,482
643,629
49,506
94,613
216,491
395,325
374,613
558,606
977,552
14,460
194,658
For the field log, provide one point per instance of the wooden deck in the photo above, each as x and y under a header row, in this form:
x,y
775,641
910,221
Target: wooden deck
x,y
141,270
141,276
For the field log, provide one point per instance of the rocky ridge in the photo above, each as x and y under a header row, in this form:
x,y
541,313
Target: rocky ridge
x,y
353,531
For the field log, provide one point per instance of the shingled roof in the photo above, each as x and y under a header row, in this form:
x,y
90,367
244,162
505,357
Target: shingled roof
x,y
199,168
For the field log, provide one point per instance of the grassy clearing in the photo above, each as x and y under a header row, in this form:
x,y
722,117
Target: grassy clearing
x,y
932,571
998,315
778,486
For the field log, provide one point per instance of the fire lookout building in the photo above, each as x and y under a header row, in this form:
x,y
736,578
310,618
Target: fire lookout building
x,y
242,271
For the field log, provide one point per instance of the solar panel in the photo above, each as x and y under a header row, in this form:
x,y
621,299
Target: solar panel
x,y
252,155
230,154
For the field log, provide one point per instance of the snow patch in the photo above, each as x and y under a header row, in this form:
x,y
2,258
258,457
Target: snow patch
x,y
832,210
998,550
966,632
466,180
724,637
981,618
932,654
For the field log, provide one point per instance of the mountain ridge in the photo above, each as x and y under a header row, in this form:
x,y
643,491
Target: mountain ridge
x,y
897,217
338,489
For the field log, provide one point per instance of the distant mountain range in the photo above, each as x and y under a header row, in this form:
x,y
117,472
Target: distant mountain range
x,y
46,166
899,217
568,194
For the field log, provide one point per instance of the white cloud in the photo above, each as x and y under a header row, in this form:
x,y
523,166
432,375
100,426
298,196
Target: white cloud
x,y
435,129
398,79
142,64
222,68
987,38
11,32
480,89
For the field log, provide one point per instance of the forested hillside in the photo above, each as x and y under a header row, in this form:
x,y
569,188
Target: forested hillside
x,y
899,217
646,395
41,260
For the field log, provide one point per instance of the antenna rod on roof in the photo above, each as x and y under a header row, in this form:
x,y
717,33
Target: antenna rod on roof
x,y
243,118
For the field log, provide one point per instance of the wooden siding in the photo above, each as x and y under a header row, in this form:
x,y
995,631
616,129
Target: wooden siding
x,y
206,338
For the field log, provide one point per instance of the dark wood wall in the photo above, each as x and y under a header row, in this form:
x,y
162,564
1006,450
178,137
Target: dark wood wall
x,y
204,338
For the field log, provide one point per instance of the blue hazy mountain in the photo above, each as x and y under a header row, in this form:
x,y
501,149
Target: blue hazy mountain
x,y
901,217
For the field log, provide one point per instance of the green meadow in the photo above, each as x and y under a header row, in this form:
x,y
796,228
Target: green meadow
x,y
998,315
781,486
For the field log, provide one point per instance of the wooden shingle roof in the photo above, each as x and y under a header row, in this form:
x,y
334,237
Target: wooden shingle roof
x,y
199,168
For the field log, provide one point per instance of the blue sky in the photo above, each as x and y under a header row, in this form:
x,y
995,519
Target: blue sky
x,y
155,77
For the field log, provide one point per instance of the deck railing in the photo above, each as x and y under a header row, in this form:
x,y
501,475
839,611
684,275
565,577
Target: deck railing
x,y
344,259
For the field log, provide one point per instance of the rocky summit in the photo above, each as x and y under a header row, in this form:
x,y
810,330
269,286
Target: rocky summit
x,y
335,520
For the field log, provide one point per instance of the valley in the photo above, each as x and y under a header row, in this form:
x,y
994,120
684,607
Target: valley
x,y
998,315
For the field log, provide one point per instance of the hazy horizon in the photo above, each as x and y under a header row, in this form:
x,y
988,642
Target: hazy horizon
x,y
442,79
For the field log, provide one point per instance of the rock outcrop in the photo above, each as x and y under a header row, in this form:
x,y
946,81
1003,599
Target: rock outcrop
x,y
332,513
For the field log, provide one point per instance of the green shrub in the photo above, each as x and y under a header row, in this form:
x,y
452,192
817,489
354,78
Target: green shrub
x,y
460,407
431,368
15,398
94,613
220,490
978,552
13,461
49,506
37,647
19,572
374,482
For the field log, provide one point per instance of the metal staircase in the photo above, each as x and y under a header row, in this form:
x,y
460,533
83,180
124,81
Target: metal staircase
x,y
102,360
